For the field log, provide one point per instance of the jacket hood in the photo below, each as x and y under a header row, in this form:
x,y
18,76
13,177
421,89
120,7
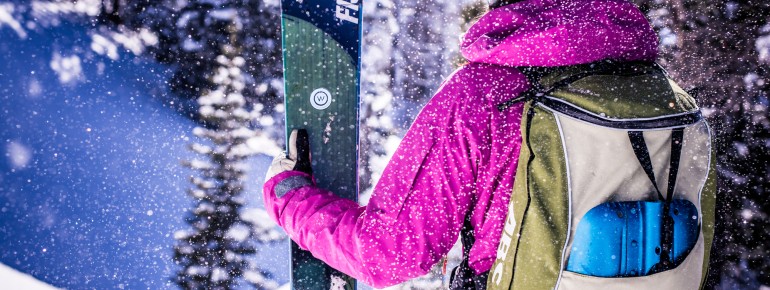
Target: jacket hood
x,y
560,32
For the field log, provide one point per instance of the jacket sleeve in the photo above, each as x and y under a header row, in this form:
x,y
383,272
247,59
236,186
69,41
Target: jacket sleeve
x,y
417,208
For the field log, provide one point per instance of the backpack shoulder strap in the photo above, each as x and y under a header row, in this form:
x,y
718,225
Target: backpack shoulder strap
x,y
566,75
536,89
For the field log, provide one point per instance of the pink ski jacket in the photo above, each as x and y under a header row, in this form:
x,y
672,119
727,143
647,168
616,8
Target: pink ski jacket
x,y
459,157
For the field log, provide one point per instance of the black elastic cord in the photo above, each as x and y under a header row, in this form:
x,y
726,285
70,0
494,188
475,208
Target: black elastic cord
x,y
667,225
667,229
677,137
643,155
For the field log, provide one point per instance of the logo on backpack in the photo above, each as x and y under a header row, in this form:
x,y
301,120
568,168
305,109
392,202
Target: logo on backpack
x,y
504,247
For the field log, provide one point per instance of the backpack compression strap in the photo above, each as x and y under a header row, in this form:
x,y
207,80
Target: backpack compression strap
x,y
462,276
667,228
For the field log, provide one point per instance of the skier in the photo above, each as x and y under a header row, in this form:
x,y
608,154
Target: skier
x,y
455,167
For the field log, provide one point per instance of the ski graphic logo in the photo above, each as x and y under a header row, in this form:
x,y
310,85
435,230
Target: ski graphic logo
x,y
347,10
320,99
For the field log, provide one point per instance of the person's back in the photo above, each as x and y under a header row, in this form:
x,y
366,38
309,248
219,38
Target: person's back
x,y
456,165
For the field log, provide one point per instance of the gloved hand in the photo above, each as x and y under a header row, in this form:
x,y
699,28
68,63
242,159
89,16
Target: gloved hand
x,y
299,156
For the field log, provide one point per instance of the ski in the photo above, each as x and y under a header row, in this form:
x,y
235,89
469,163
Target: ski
x,y
321,42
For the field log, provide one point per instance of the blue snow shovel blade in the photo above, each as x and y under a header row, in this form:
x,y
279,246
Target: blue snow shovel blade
x,y
623,239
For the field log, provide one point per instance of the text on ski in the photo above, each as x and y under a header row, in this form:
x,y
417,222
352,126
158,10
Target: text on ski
x,y
347,10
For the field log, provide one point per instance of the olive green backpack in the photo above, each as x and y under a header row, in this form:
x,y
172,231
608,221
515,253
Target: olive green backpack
x,y
615,187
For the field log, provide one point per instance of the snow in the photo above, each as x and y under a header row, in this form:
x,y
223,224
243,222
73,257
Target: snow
x,y
259,218
206,111
18,154
197,270
48,9
667,37
68,68
382,102
6,18
224,14
742,148
762,45
242,114
136,42
191,45
34,88
13,279
264,145
236,98
219,274
747,214
238,233
200,149
259,279
266,121
104,46
181,234
239,61
107,42
338,283
199,164
204,208
214,97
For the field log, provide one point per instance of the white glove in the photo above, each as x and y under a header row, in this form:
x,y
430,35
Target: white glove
x,y
298,159
280,164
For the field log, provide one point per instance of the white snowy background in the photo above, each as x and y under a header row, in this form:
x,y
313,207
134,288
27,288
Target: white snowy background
x,y
13,279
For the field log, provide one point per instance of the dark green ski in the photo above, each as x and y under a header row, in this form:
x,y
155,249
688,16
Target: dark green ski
x,y
321,61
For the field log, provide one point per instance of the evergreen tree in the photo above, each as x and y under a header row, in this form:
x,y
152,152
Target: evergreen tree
x,y
425,44
230,51
377,128
213,254
190,34
408,48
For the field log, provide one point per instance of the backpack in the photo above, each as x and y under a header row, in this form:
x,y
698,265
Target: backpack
x,y
615,186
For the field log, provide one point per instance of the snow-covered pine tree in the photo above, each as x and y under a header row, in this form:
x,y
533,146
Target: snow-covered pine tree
x,y
378,134
189,35
406,54
214,253
409,47
424,47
